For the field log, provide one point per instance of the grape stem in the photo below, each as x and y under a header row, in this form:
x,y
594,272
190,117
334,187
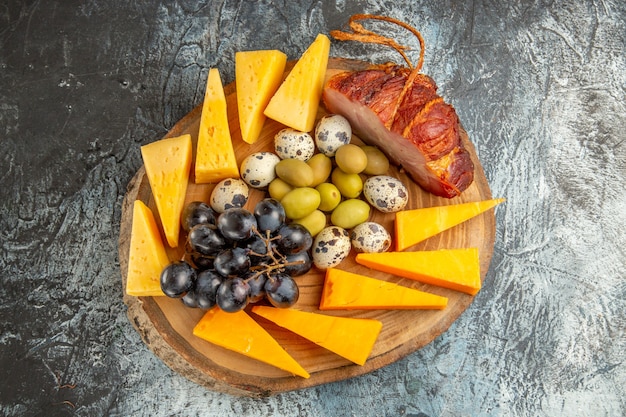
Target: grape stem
x,y
279,261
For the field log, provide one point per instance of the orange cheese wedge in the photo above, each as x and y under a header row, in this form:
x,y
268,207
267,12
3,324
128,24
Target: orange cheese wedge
x,y
349,291
414,226
258,75
456,269
296,101
351,338
215,155
239,333
147,256
168,162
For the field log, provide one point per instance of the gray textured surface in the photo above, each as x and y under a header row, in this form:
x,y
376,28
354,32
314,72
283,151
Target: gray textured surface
x,y
540,87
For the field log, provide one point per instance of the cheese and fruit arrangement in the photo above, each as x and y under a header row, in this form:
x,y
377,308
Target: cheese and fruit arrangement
x,y
320,184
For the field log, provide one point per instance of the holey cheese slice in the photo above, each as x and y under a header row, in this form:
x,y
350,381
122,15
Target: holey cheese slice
x,y
147,256
414,226
215,156
345,290
456,269
167,163
296,102
258,75
351,338
239,333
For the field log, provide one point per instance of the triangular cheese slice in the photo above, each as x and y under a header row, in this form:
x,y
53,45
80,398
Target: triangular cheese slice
x,y
456,269
414,226
349,291
258,75
296,102
351,338
239,333
167,163
215,155
147,256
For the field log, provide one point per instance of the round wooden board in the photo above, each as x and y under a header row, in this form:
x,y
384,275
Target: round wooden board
x,y
166,325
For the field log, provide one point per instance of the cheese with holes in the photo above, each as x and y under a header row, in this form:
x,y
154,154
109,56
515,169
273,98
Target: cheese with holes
x,y
345,290
215,155
456,269
414,226
351,338
239,333
296,102
257,77
147,256
168,162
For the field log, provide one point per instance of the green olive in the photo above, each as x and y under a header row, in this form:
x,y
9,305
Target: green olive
x,y
377,162
351,158
314,222
350,213
321,165
278,188
349,185
329,195
295,172
300,202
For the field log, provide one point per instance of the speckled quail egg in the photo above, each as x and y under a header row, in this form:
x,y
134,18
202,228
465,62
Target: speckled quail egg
x,y
257,169
229,193
331,132
291,143
385,193
330,247
370,237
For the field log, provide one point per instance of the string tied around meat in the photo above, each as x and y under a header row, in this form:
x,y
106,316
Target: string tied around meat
x,y
360,34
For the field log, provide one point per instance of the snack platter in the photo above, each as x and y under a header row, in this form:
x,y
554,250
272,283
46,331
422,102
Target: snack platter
x,y
166,325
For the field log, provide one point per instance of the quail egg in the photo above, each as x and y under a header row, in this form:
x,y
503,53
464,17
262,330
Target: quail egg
x,y
330,247
385,193
257,169
331,132
229,193
370,237
293,144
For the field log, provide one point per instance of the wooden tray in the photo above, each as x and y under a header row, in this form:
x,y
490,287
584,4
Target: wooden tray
x,y
166,325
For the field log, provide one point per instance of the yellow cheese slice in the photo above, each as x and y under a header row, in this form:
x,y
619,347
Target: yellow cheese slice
x,y
296,102
257,77
351,338
456,269
147,256
215,156
349,291
239,333
167,163
414,226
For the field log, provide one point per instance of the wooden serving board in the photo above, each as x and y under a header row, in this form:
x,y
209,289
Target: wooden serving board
x,y
166,325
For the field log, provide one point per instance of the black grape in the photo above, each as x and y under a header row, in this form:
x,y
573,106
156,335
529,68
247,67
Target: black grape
x,y
270,215
281,290
294,238
233,295
236,224
206,287
233,261
256,282
177,279
205,239
298,263
195,213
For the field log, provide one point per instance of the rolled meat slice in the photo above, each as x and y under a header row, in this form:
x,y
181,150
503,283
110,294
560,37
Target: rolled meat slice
x,y
398,110
416,130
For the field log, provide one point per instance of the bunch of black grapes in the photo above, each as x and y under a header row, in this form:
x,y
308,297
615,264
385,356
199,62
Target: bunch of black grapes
x,y
238,257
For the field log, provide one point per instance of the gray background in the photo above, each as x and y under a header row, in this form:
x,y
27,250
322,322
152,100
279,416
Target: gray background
x,y
540,87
